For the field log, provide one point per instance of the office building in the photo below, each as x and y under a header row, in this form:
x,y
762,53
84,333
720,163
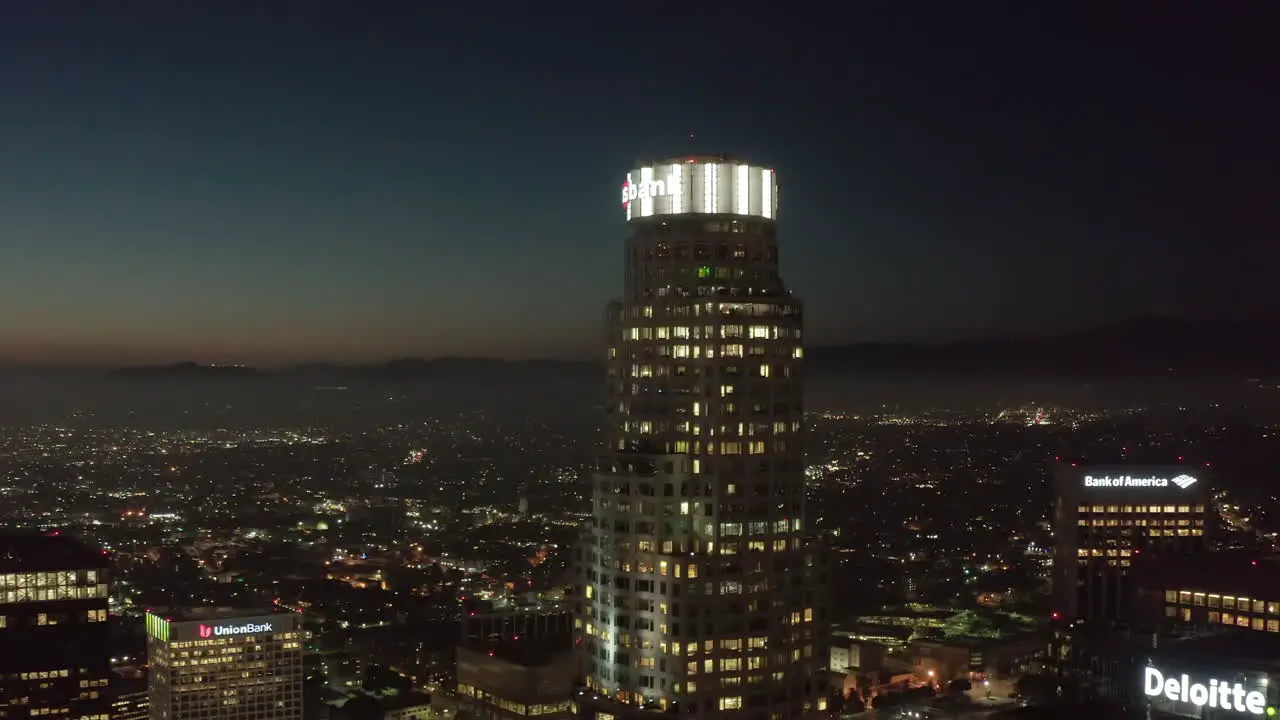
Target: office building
x,y
130,696
1226,673
512,679
1208,590
1105,515
221,663
699,592
55,655
551,623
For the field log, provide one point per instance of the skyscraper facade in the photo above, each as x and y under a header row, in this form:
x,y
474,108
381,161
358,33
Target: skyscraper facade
x,y
221,663
699,591
55,645
1106,515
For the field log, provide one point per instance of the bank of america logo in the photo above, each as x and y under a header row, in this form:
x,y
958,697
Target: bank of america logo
x,y
1183,481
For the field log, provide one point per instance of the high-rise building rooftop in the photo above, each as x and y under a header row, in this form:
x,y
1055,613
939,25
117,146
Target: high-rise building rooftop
x,y
700,592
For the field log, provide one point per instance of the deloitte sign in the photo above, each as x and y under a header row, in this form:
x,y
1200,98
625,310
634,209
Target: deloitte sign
x,y
1210,693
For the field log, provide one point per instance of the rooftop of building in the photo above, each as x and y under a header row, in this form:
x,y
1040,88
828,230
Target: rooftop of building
x,y
1137,459
1234,573
1099,710
1222,646
694,158
528,652
385,699
31,551
185,614
1228,645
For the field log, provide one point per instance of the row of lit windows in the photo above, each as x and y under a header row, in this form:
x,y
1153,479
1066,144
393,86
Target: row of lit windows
x,y
1140,522
696,332
49,675
1111,562
231,641
1111,552
1180,532
647,508
710,352
680,275
711,666
10,581
500,702
634,698
43,619
779,545
627,640
724,447
55,592
740,429
691,686
696,467
1225,618
1213,600
695,447
764,369
715,309
1141,508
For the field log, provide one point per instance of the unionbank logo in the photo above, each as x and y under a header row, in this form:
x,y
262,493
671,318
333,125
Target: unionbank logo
x,y
1183,481
208,631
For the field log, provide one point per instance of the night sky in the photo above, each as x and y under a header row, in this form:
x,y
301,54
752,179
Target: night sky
x,y
273,182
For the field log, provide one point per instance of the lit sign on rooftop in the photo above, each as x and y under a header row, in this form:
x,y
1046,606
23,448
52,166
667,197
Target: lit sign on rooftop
x,y
208,631
1211,693
1130,481
709,186
166,629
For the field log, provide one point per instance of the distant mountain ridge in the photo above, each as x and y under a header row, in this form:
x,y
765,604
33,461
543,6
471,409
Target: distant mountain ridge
x,y
1139,347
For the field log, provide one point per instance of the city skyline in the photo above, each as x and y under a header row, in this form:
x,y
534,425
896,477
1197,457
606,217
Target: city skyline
x,y
272,185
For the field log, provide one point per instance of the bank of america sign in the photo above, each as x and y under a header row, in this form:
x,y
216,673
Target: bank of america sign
x,y
1129,481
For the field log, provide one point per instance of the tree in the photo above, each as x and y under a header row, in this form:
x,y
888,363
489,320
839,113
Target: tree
x,y
1038,689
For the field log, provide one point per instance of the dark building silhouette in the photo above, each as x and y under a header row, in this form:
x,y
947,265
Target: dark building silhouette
x,y
55,655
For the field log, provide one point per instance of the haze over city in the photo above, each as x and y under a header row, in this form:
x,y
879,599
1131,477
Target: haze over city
x,y
290,182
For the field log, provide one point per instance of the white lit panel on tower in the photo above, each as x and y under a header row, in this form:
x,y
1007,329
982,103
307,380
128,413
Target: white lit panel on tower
x,y
766,193
626,199
646,200
742,190
711,188
679,180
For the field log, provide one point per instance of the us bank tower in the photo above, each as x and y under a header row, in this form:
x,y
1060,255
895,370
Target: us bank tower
x,y
699,592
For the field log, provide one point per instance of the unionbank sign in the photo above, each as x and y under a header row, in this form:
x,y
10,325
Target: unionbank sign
x,y
1205,692
209,631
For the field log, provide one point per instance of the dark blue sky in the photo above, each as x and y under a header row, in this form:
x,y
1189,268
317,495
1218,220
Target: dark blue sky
x,y
277,181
